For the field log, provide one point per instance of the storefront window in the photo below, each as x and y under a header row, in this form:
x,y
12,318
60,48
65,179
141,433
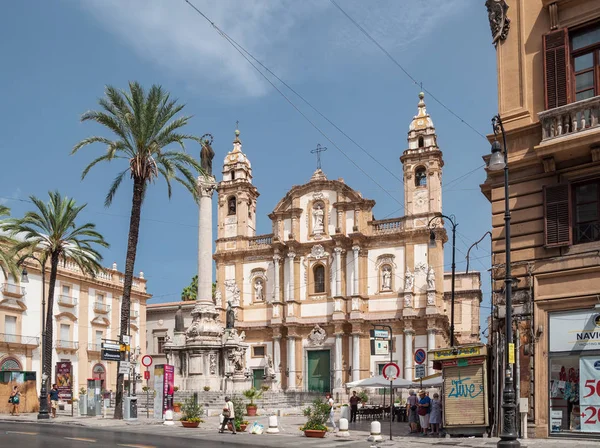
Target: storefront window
x,y
574,371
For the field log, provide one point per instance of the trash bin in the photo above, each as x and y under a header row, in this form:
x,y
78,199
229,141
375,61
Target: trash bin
x,y
130,411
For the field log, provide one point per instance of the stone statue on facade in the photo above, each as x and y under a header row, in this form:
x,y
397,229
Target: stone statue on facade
x,y
179,325
236,356
229,317
318,219
218,298
430,278
269,369
409,281
258,290
386,278
235,299
207,154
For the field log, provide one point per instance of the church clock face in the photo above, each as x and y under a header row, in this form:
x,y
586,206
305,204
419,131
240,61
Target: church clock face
x,y
420,122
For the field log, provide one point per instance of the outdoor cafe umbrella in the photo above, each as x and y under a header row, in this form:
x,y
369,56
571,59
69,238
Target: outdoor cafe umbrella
x,y
380,381
435,380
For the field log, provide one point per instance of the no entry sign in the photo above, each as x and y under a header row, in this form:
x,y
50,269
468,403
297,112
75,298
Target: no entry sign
x,y
391,371
146,360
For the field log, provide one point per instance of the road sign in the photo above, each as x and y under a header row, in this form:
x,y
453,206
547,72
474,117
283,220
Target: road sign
x,y
110,355
109,346
125,364
419,371
391,371
147,374
124,368
146,360
126,339
420,356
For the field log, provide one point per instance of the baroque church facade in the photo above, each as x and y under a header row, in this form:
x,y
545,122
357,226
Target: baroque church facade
x,y
306,296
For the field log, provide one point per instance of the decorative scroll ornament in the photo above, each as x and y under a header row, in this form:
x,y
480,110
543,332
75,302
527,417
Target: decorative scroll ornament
x,y
499,22
317,336
317,251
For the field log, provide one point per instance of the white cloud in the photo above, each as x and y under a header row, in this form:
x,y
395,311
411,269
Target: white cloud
x,y
296,39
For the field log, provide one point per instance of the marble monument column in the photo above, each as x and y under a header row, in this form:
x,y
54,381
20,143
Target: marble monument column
x,y
408,353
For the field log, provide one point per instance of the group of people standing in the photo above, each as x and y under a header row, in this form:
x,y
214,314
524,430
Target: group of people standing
x,y
424,412
15,400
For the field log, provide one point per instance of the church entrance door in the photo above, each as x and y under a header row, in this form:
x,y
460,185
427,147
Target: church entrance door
x,y
257,378
319,379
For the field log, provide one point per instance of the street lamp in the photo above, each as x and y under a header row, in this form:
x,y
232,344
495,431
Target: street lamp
x,y
432,240
43,414
499,161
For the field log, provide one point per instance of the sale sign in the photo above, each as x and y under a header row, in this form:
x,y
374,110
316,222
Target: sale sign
x,y
589,393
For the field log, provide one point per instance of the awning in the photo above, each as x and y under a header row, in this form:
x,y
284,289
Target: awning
x,y
380,381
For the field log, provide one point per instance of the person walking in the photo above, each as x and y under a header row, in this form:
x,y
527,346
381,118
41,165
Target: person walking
x,y
354,400
330,402
54,399
228,416
435,417
424,408
15,399
411,411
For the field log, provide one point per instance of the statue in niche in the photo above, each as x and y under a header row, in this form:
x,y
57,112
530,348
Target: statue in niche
x,y
231,206
408,300
386,278
318,218
430,278
269,369
236,357
207,154
229,317
409,280
258,290
179,325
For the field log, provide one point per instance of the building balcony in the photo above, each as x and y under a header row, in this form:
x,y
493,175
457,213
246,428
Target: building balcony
x,y
386,226
94,347
69,301
101,308
11,290
570,119
66,346
260,241
17,340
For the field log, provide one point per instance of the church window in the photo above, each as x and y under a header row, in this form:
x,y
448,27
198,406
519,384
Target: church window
x,y
421,142
231,206
232,175
319,278
420,177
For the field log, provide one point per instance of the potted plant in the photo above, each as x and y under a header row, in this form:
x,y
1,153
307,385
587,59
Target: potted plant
x,y
177,407
191,412
206,388
316,415
175,389
264,387
364,397
238,409
252,394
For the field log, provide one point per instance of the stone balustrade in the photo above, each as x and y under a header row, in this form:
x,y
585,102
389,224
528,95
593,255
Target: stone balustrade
x,y
260,241
570,119
385,226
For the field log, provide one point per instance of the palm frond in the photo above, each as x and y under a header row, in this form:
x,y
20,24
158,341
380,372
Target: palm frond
x,y
114,187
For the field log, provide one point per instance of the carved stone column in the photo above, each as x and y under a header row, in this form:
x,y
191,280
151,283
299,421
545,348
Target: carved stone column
x,y
408,352
291,362
356,250
291,292
337,364
355,357
206,187
338,271
276,259
277,358
431,332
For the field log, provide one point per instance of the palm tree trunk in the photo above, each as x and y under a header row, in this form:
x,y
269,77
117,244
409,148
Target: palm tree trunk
x,y
49,305
134,230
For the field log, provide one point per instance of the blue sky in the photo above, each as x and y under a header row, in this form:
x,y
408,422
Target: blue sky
x,y
59,55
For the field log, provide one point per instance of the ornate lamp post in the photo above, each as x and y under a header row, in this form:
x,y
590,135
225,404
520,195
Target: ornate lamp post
x,y
498,161
432,239
43,414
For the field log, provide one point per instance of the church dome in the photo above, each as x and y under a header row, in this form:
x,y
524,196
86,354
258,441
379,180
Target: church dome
x,y
236,155
422,120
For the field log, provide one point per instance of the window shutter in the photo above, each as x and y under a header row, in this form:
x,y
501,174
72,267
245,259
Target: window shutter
x,y
557,68
557,215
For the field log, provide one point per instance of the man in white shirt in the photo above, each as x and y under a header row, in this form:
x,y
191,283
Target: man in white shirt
x,y
228,415
330,402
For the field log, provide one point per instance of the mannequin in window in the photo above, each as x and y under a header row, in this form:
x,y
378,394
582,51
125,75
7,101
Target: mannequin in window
x,y
231,206
421,177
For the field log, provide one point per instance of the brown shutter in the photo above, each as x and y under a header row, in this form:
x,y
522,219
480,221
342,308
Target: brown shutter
x,y
557,215
557,68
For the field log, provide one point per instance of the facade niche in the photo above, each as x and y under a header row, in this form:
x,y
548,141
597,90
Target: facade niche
x,y
421,177
231,206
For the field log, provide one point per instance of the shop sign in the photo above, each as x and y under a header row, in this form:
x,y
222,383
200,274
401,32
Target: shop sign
x,y
589,393
460,352
575,331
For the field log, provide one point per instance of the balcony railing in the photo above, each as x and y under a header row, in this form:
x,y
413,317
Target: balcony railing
x,y
9,289
570,119
67,300
66,345
386,226
102,308
94,347
19,339
260,241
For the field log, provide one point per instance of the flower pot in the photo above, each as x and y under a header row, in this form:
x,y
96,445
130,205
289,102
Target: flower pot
x,y
243,428
176,408
314,433
251,410
189,424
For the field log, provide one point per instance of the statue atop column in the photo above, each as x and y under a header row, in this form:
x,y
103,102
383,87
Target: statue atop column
x,y
206,154
179,326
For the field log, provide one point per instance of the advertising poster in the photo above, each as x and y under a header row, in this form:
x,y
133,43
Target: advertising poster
x,y
64,380
589,393
169,387
159,381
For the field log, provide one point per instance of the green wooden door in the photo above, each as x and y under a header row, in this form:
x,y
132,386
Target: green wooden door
x,y
257,378
319,379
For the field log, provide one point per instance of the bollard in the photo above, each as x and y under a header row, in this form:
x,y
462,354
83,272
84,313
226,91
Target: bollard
x,y
168,418
375,432
343,431
273,429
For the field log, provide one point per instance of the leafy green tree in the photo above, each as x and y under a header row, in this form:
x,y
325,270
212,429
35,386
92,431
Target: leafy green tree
x,y
7,259
51,233
142,125
190,292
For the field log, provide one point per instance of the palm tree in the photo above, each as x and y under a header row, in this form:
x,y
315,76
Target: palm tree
x,y
143,126
51,233
7,259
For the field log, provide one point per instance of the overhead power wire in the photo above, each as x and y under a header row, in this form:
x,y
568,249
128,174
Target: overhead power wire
x,y
372,39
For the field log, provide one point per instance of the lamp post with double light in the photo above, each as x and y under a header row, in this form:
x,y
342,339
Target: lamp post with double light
x,y
432,240
44,413
497,162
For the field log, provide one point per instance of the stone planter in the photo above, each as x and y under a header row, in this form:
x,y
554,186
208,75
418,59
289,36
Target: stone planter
x,y
314,433
189,424
251,410
345,412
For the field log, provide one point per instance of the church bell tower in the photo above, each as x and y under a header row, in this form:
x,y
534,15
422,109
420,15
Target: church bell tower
x,y
423,164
